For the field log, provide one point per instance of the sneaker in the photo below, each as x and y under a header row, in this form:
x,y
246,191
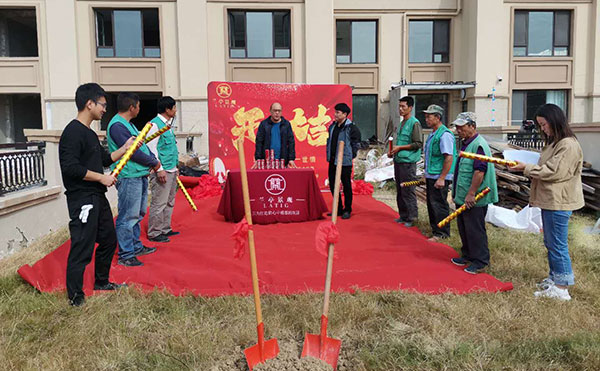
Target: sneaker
x,y
109,286
409,224
159,238
545,284
77,301
171,233
400,220
131,262
554,293
346,215
473,269
461,262
146,250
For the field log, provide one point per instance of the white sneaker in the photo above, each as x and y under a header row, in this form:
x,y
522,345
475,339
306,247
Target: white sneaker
x,y
545,283
554,293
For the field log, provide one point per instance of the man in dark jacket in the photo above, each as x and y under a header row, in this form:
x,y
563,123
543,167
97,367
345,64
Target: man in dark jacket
x,y
342,130
275,132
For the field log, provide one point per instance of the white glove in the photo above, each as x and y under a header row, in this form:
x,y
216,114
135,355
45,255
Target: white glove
x,y
85,211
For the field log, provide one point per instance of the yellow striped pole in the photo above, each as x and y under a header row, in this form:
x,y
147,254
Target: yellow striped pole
x,y
474,156
187,195
461,209
158,133
131,150
412,183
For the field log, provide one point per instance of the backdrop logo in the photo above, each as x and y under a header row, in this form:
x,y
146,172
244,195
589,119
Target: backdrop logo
x,y
224,90
275,184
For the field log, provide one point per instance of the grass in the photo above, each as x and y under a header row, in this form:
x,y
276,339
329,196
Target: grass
x,y
129,330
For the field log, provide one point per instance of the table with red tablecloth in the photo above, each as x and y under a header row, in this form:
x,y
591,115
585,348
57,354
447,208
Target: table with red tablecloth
x,y
276,196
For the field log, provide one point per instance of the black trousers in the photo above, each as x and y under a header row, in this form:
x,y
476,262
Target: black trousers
x,y
406,198
437,207
471,227
99,228
346,181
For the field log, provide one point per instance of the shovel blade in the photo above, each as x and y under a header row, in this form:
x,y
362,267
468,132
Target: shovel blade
x,y
254,356
329,353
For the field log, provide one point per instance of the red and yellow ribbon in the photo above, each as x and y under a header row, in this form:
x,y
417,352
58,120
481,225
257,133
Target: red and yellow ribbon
x,y
499,161
187,195
131,150
158,133
412,183
461,209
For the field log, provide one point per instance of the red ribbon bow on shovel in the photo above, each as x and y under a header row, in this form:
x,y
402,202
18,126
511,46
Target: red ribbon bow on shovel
x,y
326,234
240,236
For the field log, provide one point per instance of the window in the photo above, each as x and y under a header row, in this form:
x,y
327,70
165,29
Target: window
x,y
542,33
429,41
18,33
18,112
356,41
254,34
526,102
422,101
364,114
127,33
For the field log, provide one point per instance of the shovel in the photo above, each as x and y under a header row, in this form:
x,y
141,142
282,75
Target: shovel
x,y
263,350
320,346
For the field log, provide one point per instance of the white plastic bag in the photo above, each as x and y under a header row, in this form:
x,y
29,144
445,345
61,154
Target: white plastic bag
x,y
527,220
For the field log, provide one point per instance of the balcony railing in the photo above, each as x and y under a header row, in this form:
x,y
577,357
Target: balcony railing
x,y
526,140
21,166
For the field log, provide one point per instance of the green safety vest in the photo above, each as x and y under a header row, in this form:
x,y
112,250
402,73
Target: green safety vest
x,y
462,183
435,159
167,146
404,137
132,169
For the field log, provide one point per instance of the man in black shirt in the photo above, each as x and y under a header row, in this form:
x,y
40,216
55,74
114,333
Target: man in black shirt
x,y
342,130
82,162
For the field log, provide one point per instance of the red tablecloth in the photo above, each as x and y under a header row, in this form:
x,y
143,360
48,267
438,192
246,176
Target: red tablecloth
x,y
276,196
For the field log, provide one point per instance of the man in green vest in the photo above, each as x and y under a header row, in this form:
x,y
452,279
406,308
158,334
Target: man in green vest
x,y
440,154
132,184
406,153
470,178
163,183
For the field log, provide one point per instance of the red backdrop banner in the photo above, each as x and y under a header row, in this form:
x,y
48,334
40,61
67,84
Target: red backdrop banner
x,y
236,109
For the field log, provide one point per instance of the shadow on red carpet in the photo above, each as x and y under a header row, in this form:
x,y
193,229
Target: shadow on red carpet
x,y
375,253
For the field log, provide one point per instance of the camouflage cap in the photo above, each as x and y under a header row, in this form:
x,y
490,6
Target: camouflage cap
x,y
434,108
464,118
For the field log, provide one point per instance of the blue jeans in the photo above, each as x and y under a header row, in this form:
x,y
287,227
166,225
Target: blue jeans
x,y
132,205
556,231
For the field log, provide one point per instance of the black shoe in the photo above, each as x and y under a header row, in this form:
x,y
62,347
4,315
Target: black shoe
x,y
131,262
461,262
171,233
77,301
473,269
346,215
160,238
329,214
109,286
146,250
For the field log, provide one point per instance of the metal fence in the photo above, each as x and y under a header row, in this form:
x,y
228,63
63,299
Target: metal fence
x,y
526,140
21,166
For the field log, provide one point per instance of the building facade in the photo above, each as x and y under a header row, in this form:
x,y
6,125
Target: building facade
x,y
498,58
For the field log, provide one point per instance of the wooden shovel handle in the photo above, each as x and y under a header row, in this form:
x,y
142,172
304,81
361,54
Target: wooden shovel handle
x,y
336,198
248,213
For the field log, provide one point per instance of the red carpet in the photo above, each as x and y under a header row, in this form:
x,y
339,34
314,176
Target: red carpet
x,y
374,253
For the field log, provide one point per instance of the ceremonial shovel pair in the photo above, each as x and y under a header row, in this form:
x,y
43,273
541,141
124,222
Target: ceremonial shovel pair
x,y
315,345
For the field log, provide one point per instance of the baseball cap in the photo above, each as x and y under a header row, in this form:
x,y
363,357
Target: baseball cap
x,y
434,108
464,118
